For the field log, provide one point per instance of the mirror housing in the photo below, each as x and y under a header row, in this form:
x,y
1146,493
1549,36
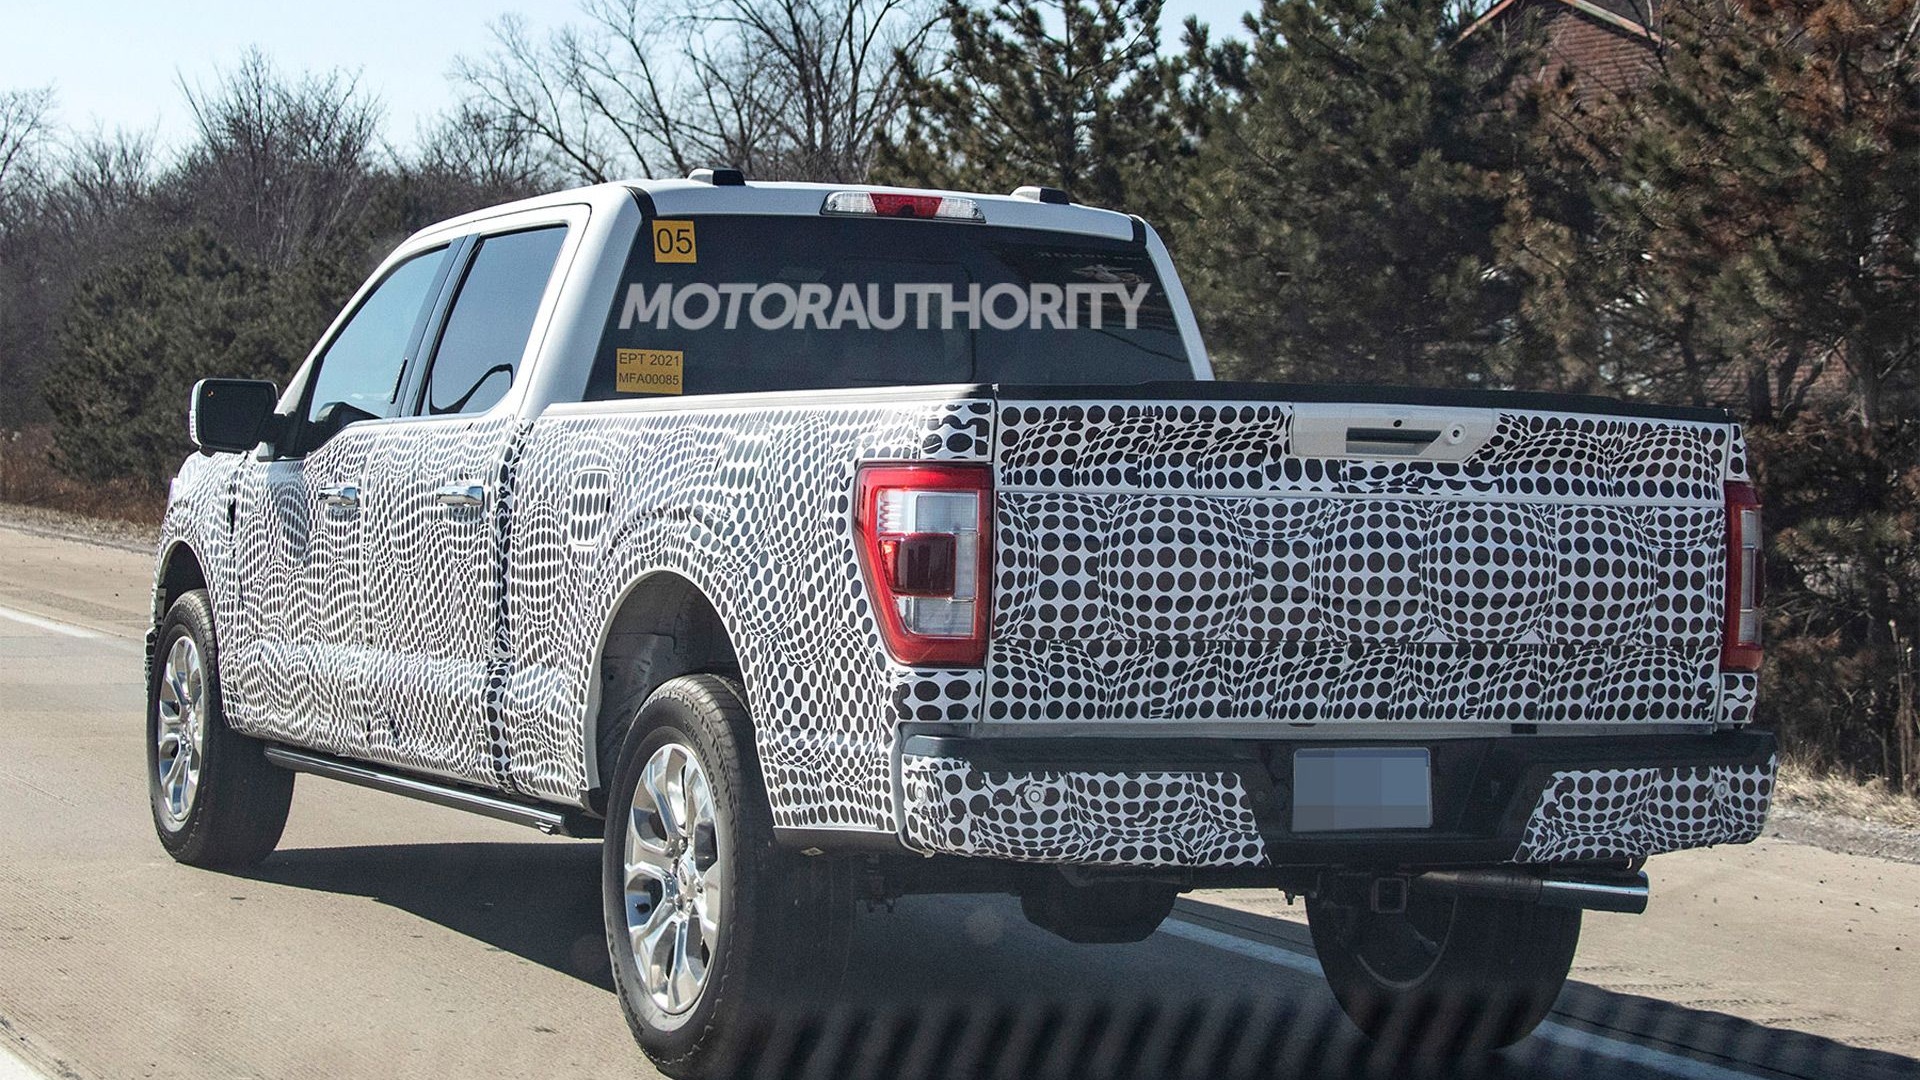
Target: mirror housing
x,y
230,416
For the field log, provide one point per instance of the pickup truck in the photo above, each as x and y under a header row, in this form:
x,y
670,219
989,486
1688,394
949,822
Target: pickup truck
x,y
814,545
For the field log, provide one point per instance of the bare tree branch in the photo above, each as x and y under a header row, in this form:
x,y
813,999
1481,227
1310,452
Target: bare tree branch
x,y
25,117
782,88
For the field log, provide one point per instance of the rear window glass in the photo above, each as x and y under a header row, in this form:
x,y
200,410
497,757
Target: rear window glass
x,y
491,319
739,303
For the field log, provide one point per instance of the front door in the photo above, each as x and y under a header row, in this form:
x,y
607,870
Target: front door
x,y
300,652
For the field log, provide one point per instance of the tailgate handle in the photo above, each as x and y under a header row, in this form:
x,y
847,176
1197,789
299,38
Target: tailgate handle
x,y
1374,440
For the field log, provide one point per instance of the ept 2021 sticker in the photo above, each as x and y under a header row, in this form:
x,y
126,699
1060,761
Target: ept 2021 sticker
x,y
648,371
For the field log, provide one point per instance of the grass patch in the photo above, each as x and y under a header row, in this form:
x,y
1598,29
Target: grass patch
x,y
1874,800
28,477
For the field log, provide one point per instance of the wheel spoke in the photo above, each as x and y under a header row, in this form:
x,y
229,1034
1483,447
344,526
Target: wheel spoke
x,y
656,782
686,981
181,660
657,916
655,951
647,858
707,904
195,683
690,780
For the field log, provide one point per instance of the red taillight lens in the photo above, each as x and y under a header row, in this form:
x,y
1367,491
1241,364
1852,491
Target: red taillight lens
x,y
1746,580
925,542
920,564
896,205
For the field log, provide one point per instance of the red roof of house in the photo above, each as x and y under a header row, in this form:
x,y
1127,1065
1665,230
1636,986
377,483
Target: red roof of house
x,y
1607,44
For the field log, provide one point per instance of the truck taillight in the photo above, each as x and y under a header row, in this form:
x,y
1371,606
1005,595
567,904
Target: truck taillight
x,y
1746,580
894,205
925,536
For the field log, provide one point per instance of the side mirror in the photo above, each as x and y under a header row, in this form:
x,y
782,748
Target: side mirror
x,y
230,416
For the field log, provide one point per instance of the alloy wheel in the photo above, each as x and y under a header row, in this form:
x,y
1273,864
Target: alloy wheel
x,y
675,890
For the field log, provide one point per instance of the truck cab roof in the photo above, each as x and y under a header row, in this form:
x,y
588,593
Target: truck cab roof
x,y
669,198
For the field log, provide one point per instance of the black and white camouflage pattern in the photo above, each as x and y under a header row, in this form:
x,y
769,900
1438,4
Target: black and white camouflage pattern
x,y
1119,818
1156,564
1629,813
372,632
1166,563
754,507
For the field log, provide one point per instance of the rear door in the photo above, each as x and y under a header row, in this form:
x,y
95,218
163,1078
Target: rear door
x,y
1253,556
437,505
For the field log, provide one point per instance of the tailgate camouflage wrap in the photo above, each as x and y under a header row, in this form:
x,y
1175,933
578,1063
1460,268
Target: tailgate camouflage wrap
x,y
1173,563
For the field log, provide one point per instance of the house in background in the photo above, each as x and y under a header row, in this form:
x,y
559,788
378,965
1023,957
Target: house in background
x,y
1607,45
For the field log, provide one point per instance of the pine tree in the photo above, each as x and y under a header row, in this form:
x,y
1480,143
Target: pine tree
x,y
135,339
1759,247
1062,93
1769,183
1351,188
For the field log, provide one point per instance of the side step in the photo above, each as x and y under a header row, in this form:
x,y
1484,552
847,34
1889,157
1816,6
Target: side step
x,y
550,820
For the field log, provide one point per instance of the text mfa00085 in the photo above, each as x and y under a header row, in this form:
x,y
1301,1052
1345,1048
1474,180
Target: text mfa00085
x,y
648,371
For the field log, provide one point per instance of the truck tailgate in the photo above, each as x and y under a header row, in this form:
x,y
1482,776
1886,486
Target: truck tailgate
x,y
1244,555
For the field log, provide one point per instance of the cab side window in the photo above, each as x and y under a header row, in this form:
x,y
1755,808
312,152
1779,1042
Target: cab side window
x,y
490,321
358,376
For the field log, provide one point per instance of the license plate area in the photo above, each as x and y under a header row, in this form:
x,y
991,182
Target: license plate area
x,y
1351,789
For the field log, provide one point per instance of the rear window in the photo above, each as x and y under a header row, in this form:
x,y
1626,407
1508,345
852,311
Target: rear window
x,y
491,319
722,304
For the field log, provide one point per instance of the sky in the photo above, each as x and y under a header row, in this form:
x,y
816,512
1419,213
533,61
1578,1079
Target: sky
x,y
119,64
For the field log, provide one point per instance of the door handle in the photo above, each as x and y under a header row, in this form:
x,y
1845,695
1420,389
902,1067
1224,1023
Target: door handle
x,y
340,495
464,493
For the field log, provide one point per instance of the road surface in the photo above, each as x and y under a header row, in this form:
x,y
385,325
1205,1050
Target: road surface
x,y
393,938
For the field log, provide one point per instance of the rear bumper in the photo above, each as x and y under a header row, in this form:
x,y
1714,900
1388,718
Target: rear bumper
x,y
1223,802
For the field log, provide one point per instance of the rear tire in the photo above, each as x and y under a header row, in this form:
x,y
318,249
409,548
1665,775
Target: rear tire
x,y
1452,976
764,929
217,802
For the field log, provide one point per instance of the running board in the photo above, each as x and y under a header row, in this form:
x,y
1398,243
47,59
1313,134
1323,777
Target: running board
x,y
549,820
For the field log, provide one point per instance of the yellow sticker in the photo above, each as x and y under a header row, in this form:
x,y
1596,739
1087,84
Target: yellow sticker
x,y
648,371
673,242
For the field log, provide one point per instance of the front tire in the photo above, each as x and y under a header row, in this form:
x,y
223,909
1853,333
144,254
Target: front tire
x,y
217,802
1452,976
711,925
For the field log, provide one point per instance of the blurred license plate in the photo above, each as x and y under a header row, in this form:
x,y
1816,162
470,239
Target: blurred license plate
x,y
1341,789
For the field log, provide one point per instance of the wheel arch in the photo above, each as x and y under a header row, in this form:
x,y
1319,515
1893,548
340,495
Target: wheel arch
x,y
179,571
661,626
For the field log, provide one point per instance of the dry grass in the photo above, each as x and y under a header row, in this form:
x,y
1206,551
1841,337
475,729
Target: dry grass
x,y
29,478
1873,800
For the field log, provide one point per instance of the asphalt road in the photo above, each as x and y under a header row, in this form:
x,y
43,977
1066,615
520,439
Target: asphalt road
x,y
392,938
